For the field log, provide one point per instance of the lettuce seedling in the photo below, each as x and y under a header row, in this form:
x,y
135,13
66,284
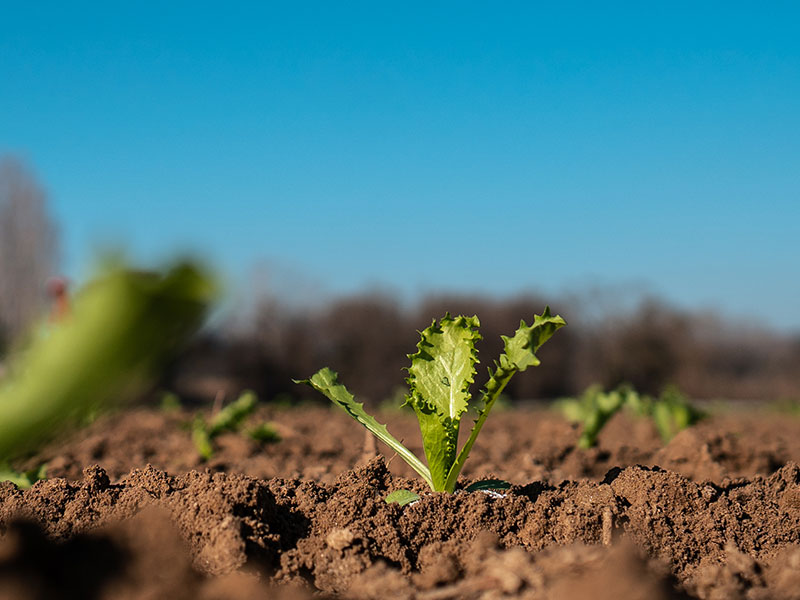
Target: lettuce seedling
x,y
673,412
439,379
595,408
230,418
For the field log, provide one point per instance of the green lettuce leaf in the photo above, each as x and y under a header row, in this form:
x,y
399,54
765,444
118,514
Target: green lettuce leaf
x,y
402,497
520,353
326,381
441,372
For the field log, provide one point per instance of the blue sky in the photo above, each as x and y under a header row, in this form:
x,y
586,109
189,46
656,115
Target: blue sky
x,y
419,146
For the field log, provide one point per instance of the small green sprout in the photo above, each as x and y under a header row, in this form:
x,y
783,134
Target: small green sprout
x,y
264,433
170,402
786,405
402,497
230,418
441,373
673,412
595,408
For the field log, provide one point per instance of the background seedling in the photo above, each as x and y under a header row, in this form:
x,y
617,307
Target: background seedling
x,y
594,409
230,418
170,402
671,412
440,375
264,433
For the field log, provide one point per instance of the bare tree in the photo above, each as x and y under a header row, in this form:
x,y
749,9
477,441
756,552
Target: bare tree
x,y
27,248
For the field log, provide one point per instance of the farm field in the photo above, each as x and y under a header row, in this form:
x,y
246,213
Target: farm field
x,y
130,510
359,301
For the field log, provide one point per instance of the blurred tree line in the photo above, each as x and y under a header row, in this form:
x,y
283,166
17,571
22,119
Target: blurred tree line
x,y
28,250
366,339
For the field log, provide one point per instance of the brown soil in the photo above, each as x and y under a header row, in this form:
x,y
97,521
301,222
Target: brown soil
x,y
130,511
521,445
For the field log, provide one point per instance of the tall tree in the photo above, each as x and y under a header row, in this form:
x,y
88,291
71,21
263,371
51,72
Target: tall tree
x,y
28,248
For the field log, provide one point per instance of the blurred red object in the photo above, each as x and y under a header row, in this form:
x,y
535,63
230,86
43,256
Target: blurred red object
x,y
58,290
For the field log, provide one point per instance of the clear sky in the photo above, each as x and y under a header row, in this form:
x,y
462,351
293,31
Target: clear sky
x,y
490,147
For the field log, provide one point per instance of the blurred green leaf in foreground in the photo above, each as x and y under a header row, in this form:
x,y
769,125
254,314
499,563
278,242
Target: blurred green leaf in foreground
x,y
122,328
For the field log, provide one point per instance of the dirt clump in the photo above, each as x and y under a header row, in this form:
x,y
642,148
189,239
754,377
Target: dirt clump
x,y
143,558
